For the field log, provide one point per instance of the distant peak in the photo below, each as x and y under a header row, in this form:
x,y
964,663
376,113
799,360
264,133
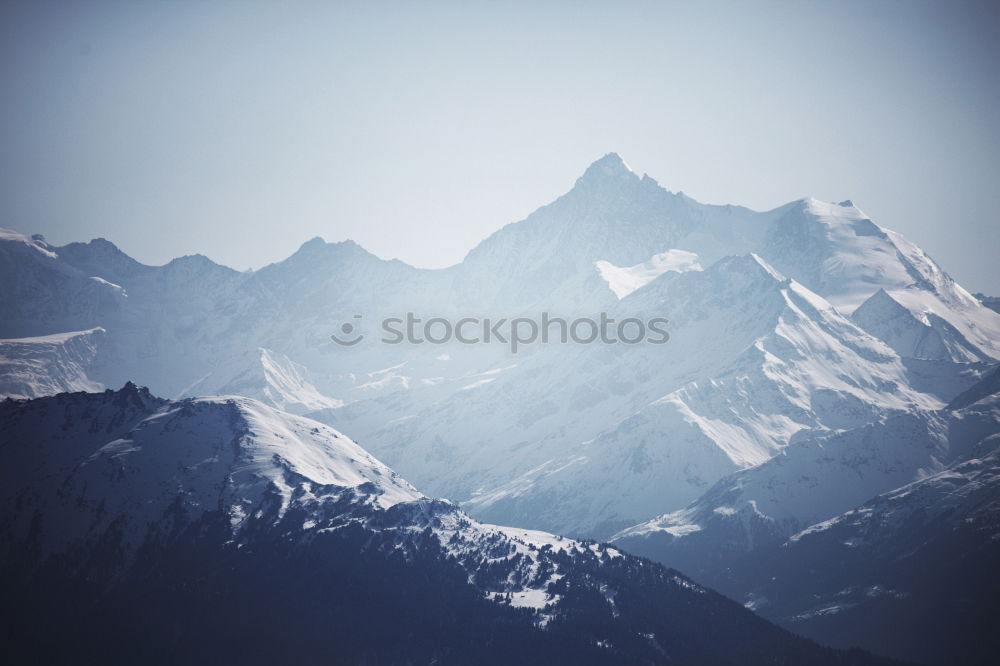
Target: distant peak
x,y
318,243
196,259
609,167
612,160
318,249
846,203
314,242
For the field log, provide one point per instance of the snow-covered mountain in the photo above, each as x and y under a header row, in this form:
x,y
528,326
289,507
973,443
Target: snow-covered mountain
x,y
911,322
281,382
184,459
808,317
221,528
753,359
44,294
846,531
824,379
905,556
50,364
815,479
837,251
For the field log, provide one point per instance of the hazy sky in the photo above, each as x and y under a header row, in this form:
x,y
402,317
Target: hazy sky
x,y
239,129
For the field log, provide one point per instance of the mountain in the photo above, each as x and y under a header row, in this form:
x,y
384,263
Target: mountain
x,y
50,364
914,329
547,260
808,317
839,253
143,529
813,480
901,557
845,532
44,294
816,368
753,360
282,382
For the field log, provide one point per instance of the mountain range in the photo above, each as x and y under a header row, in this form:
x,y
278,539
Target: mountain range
x,y
819,370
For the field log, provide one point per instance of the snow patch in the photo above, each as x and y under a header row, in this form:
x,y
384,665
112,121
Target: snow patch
x,y
624,280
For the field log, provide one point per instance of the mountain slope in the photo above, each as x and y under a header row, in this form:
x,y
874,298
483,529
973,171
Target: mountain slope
x,y
846,533
49,364
280,382
221,529
816,478
630,429
884,550
883,280
43,294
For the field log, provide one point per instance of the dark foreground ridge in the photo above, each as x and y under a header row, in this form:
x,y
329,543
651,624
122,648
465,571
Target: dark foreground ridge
x,y
319,572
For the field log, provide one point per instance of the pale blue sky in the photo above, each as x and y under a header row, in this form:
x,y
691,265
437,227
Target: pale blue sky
x,y
240,129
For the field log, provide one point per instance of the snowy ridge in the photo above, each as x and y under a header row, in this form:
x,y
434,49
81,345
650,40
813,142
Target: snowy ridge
x,y
836,250
287,387
280,382
185,459
921,325
43,294
815,480
49,364
173,463
33,243
839,253
623,281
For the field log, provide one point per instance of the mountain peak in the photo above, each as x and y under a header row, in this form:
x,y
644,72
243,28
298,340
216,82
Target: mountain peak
x,y
313,243
318,247
612,159
609,167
